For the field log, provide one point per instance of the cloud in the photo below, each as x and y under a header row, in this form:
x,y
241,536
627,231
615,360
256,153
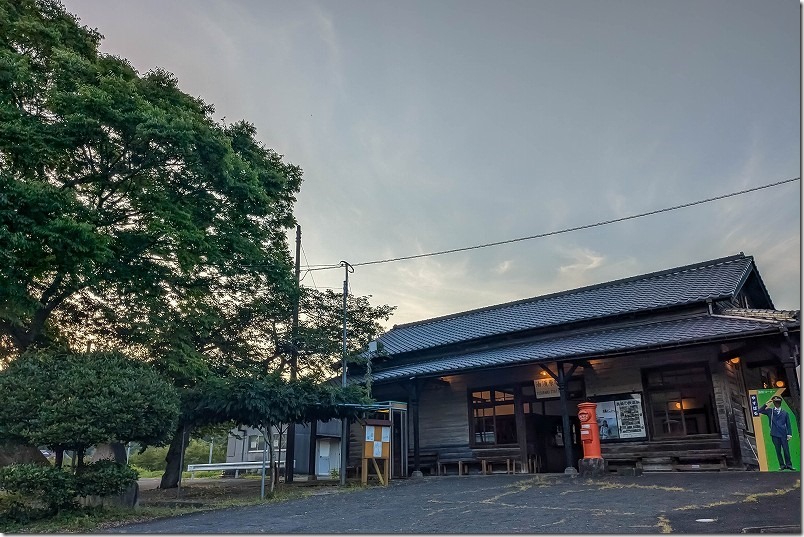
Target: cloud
x,y
585,259
329,36
504,267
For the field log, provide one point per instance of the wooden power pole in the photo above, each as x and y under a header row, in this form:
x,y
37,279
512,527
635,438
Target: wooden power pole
x,y
294,363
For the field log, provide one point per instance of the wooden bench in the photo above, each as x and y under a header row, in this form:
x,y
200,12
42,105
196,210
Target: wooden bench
x,y
463,465
458,454
535,464
427,460
490,456
510,464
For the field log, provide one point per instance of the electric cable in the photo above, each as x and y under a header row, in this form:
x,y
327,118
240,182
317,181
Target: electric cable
x,y
308,271
561,231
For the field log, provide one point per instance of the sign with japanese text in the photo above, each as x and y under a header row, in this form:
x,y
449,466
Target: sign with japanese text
x,y
546,388
620,417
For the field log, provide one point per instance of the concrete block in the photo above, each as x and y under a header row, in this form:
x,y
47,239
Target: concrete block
x,y
592,467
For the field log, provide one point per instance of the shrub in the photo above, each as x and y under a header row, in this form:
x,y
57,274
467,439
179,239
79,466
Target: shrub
x,y
105,478
153,458
52,487
144,472
15,509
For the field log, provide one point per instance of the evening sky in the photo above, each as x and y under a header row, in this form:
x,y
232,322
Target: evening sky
x,y
428,125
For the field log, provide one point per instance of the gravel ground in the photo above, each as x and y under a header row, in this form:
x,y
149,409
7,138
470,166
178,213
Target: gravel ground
x,y
733,502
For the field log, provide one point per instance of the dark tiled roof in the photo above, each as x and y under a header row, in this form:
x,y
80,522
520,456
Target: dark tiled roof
x,y
684,285
587,344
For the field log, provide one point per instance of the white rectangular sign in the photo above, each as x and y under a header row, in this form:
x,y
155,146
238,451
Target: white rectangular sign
x,y
629,417
545,388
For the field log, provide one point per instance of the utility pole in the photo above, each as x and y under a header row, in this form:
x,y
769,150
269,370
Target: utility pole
x,y
344,421
290,444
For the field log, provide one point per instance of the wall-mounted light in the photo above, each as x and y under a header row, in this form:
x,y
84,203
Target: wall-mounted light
x,y
735,360
779,384
544,373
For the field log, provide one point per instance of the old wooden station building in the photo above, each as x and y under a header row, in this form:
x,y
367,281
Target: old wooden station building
x,y
669,356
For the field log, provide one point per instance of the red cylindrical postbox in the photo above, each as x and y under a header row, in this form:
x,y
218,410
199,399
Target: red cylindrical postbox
x,y
590,435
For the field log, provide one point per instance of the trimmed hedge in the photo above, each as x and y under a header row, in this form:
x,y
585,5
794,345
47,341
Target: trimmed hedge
x,y
15,509
30,491
105,478
50,486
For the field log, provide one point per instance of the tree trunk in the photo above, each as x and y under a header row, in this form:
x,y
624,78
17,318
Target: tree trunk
x,y
79,457
170,479
120,455
269,438
59,458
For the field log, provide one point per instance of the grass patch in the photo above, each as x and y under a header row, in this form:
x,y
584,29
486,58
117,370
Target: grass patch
x,y
756,496
89,519
664,525
157,503
753,497
635,486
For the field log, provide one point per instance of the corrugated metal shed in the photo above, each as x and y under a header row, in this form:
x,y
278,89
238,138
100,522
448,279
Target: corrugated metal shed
x,y
588,344
715,279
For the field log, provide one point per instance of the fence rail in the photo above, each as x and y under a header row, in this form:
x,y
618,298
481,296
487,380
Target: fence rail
x,y
223,466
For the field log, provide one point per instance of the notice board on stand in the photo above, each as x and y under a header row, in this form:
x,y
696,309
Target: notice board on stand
x,y
377,447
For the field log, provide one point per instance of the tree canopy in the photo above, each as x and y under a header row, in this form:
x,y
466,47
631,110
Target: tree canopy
x,y
125,208
269,400
72,401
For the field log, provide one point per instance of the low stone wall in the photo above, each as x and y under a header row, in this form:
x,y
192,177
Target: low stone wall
x,y
130,498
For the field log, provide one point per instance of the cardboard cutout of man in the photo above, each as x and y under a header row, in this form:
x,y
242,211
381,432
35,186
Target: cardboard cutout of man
x,y
780,430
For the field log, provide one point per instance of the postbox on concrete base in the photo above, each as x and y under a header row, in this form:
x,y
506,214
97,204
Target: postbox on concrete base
x,y
592,464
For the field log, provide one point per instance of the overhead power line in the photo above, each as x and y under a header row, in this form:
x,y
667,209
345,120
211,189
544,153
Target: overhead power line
x,y
560,231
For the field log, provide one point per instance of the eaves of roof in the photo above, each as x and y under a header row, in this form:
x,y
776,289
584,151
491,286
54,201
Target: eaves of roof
x,y
681,332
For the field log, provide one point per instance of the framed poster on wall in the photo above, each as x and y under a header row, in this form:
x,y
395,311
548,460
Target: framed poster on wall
x,y
621,417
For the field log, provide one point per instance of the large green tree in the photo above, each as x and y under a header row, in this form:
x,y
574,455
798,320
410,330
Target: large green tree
x,y
129,217
124,205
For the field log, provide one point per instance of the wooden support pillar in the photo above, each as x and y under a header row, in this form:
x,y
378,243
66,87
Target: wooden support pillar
x,y
313,452
415,413
789,359
562,379
562,392
521,427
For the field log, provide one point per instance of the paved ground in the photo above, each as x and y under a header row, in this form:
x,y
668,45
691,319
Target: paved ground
x,y
652,503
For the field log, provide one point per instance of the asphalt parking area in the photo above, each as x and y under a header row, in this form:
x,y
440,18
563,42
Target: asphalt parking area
x,y
729,502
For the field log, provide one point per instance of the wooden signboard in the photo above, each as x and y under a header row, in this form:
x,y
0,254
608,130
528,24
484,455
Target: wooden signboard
x,y
377,446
